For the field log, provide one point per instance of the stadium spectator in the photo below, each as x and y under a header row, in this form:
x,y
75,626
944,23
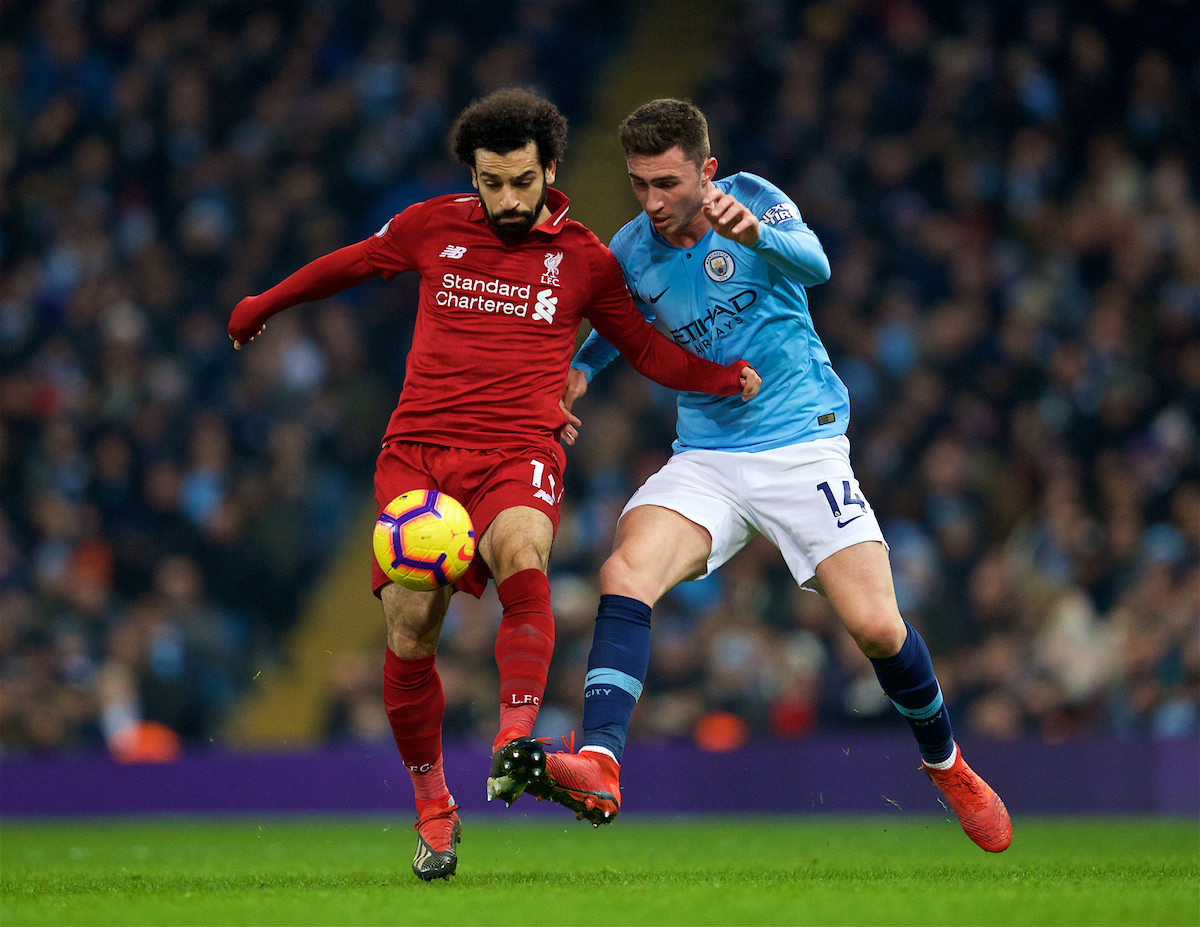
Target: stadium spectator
x,y
163,160
1008,194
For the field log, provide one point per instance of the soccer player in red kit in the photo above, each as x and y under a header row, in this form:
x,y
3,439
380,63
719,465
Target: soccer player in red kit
x,y
506,279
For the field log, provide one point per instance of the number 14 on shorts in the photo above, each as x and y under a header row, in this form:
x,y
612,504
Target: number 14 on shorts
x,y
849,498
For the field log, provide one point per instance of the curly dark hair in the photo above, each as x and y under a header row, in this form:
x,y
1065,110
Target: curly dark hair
x,y
509,119
660,125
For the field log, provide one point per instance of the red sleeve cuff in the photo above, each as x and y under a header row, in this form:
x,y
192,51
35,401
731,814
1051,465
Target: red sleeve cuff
x,y
731,382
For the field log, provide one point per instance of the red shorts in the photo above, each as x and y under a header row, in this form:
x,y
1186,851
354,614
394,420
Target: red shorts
x,y
486,482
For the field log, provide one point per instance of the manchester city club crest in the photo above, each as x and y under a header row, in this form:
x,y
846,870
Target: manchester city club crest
x,y
719,265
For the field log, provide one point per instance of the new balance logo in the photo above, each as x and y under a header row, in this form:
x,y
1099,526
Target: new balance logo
x,y
453,251
547,303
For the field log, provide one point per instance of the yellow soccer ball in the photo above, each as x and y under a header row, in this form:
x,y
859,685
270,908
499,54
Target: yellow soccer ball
x,y
424,539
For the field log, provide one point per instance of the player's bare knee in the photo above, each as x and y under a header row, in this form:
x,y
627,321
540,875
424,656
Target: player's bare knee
x,y
621,575
413,621
408,644
880,635
614,570
516,559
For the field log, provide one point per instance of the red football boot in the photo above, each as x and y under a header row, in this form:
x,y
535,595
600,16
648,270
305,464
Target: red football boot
x,y
438,830
980,811
588,783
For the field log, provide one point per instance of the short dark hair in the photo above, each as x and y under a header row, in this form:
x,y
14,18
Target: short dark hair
x,y
507,120
660,125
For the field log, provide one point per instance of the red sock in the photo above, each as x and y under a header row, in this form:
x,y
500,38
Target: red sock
x,y
412,694
524,645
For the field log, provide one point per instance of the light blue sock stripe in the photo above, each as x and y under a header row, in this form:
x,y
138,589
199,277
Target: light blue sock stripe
x,y
922,714
612,677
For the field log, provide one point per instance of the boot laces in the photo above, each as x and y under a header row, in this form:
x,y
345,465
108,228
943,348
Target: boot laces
x,y
568,741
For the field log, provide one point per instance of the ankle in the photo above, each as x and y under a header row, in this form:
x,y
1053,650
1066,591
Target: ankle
x,y
429,807
429,785
600,751
506,736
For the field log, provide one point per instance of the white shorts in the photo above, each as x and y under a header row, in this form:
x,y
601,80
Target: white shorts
x,y
803,497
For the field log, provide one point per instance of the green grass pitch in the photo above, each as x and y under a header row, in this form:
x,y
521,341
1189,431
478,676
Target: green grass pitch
x,y
901,870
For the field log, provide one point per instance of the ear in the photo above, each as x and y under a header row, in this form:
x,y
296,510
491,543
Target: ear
x,y
551,170
708,170
474,179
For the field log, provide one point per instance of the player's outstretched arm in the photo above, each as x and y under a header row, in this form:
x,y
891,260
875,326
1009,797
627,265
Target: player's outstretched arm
x,y
324,277
614,315
789,244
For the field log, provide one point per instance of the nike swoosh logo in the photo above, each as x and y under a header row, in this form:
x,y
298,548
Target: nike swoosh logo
x,y
654,299
842,524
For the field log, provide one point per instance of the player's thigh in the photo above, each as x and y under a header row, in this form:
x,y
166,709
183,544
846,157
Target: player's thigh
x,y
413,619
400,468
491,482
654,550
858,582
700,487
518,538
806,499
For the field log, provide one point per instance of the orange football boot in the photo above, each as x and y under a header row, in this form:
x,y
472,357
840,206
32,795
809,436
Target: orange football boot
x,y
588,783
438,830
979,809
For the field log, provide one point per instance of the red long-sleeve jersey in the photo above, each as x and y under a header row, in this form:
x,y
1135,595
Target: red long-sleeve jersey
x,y
497,320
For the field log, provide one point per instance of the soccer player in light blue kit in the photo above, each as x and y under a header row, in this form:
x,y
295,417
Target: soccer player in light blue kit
x,y
723,265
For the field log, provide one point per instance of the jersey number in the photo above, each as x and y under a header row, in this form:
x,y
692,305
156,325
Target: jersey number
x,y
539,470
849,498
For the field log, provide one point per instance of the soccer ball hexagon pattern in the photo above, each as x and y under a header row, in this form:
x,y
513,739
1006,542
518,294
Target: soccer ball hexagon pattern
x,y
424,539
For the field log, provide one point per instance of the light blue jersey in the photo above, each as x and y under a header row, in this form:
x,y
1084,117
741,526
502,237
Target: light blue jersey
x,y
725,301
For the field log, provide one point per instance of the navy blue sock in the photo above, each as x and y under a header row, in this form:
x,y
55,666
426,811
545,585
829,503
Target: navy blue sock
x,y
908,680
617,667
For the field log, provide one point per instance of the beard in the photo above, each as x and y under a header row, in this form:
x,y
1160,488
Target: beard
x,y
526,217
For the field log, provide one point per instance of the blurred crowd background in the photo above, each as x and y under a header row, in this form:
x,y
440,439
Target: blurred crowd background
x,y
1008,192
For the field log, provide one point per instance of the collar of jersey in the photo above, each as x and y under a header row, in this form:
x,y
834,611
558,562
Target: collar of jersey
x,y
559,206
